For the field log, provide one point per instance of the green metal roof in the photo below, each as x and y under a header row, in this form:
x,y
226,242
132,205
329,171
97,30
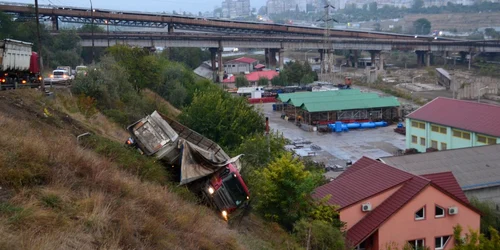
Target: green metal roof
x,y
354,103
297,102
289,96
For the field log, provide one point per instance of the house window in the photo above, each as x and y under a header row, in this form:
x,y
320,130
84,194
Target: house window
x,y
441,242
416,124
434,144
422,141
443,146
461,134
417,244
439,212
414,139
486,140
420,214
438,129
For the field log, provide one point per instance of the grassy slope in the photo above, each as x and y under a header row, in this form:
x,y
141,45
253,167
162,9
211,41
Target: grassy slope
x,y
58,195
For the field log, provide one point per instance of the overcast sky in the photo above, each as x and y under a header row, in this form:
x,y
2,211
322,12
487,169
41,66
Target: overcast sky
x,y
143,5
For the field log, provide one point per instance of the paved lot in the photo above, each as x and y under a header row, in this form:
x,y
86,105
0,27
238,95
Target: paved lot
x,y
337,148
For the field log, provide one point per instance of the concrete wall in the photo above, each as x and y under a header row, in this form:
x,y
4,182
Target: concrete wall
x,y
485,194
469,89
451,141
236,68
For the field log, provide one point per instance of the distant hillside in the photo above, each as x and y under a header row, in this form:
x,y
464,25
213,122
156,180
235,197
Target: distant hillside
x,y
462,22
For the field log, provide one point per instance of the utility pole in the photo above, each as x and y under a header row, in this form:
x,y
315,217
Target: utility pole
x,y
326,18
42,86
92,27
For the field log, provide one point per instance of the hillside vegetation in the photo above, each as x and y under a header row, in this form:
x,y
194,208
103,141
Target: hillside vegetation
x,y
56,194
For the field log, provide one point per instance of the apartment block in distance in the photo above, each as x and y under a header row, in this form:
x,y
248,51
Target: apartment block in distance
x,y
446,123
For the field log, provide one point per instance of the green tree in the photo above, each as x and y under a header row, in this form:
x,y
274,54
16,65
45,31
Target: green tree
x,y
191,57
284,190
224,119
260,149
318,235
87,28
417,5
474,240
490,216
241,81
7,26
279,80
422,26
144,70
263,81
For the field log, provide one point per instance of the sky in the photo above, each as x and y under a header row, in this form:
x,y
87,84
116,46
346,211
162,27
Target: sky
x,y
193,6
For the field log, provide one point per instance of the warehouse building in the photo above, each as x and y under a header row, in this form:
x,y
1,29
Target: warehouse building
x,y
477,169
446,123
325,107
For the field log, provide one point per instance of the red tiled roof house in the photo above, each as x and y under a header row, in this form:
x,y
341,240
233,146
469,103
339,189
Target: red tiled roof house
x,y
446,123
383,206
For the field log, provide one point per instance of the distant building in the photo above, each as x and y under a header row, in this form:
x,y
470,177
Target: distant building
x,y
446,123
382,205
477,169
235,8
280,6
240,65
254,77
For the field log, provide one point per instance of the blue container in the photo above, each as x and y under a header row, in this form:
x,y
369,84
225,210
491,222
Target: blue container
x,y
380,124
400,125
353,125
338,127
274,107
367,125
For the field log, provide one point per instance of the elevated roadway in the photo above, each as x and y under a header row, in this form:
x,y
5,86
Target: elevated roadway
x,y
143,39
172,22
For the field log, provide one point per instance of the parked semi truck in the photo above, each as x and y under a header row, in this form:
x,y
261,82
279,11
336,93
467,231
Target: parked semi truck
x,y
18,64
201,164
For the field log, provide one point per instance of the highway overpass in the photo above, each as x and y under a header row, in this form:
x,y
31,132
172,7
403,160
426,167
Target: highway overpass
x,y
173,22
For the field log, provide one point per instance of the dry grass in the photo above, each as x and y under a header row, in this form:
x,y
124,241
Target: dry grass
x,y
69,197
161,104
58,195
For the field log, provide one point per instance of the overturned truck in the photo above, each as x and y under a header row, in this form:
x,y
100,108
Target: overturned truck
x,y
201,164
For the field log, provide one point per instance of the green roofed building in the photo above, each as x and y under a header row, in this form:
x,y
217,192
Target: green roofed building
x,y
316,108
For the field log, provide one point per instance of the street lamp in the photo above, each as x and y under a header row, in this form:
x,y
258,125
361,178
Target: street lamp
x,y
341,67
479,94
414,78
92,28
305,56
107,29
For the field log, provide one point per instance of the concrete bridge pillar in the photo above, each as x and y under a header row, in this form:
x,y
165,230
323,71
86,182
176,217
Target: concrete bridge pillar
x,y
170,28
221,64
356,52
55,23
381,61
213,62
373,57
445,57
420,57
322,60
272,57
266,56
427,59
282,58
330,60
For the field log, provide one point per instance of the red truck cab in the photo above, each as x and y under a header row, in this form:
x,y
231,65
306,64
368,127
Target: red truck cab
x,y
228,189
